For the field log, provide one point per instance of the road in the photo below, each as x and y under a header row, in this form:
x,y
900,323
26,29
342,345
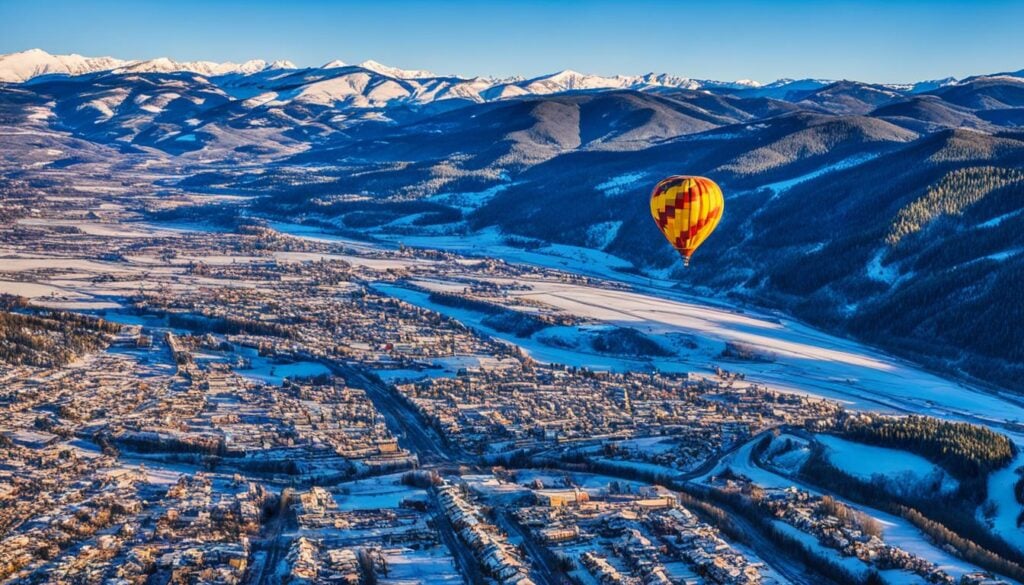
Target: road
x,y
784,564
428,446
711,462
464,558
418,439
413,432
545,566
274,544
430,449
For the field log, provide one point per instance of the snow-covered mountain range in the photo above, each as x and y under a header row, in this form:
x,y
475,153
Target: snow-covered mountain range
x,y
921,178
27,65
420,86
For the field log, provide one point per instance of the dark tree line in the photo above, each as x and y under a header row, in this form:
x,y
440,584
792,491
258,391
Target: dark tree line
x,y
967,451
518,323
51,338
230,325
956,191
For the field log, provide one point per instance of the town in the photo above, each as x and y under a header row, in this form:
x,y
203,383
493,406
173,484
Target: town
x,y
246,403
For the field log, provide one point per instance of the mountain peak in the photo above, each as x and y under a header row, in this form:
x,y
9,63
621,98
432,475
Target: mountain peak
x,y
205,68
23,66
395,72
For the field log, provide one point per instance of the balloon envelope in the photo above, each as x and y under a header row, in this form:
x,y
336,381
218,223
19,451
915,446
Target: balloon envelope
x,y
687,209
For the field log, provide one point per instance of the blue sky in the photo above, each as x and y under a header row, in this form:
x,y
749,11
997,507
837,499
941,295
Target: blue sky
x,y
869,40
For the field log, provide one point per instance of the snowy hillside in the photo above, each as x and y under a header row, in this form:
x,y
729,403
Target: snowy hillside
x,y
915,186
25,65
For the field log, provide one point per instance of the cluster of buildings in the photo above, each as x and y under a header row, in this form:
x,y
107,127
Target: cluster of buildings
x,y
499,558
323,308
313,431
101,475
702,545
837,526
366,538
533,407
624,533
59,517
122,527
309,562
199,531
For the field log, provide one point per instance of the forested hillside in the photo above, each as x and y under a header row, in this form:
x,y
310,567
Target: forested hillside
x,y
892,213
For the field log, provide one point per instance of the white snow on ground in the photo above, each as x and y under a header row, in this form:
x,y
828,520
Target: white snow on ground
x,y
808,361
533,347
469,201
995,221
383,491
489,243
648,445
398,376
791,461
1007,508
781,186
93,228
271,373
416,567
852,564
1004,255
28,289
739,461
896,531
600,235
315,234
442,367
876,271
899,467
492,243
788,460
619,184
639,466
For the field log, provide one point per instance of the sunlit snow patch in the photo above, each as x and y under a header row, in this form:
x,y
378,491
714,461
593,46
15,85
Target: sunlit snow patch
x,y
617,185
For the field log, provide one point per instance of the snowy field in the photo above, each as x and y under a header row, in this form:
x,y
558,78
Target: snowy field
x,y
896,531
897,467
1007,508
807,361
420,567
270,372
375,493
446,367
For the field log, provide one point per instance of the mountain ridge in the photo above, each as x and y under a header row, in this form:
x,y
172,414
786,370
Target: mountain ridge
x,y
848,204
25,65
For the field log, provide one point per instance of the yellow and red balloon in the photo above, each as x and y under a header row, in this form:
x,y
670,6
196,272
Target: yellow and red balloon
x,y
687,209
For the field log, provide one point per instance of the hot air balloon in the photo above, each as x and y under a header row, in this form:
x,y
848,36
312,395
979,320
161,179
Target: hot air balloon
x,y
687,209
